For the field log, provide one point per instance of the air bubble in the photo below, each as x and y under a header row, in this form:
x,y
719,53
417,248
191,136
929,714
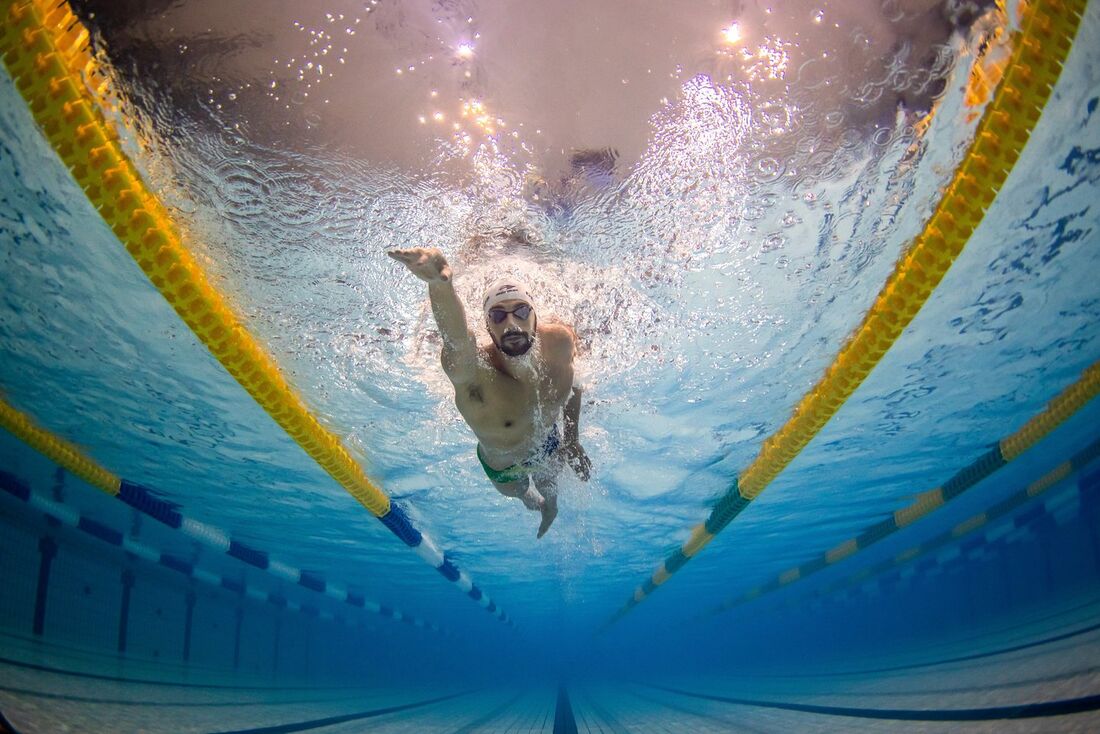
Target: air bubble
x,y
790,219
773,242
772,115
850,138
768,169
869,93
813,74
900,80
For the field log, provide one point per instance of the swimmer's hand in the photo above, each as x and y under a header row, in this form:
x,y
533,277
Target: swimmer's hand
x,y
577,459
426,263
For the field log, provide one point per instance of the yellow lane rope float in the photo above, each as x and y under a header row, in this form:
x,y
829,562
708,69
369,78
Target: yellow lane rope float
x,y
59,451
45,49
1039,50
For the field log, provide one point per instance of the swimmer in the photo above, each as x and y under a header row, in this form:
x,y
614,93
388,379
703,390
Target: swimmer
x,y
511,392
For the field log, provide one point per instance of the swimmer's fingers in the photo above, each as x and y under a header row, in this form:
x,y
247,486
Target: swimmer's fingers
x,y
580,463
405,257
428,264
584,467
410,257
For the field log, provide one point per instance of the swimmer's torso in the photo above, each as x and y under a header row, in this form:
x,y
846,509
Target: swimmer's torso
x,y
511,417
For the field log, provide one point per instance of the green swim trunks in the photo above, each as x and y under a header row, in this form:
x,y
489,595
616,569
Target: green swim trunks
x,y
520,471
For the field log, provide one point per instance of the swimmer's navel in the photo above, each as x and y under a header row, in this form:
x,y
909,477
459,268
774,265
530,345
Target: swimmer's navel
x,y
507,424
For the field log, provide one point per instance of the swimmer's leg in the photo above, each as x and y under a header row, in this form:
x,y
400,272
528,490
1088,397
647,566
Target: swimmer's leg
x,y
547,485
519,489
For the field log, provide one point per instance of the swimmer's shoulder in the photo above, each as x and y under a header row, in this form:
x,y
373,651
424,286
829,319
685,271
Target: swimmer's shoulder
x,y
558,339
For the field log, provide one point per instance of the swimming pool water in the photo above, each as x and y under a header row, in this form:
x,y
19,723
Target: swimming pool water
x,y
709,295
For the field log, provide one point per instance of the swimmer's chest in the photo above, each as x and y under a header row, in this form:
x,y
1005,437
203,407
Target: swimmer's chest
x,y
498,403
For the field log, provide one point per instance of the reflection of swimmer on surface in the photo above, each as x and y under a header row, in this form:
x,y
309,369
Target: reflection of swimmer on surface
x,y
512,391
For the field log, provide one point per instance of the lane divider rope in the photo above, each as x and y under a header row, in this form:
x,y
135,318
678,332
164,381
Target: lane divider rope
x,y
1056,412
1039,50
966,533
45,49
146,501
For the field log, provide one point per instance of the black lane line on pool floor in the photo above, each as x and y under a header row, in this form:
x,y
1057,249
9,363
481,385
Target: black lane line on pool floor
x,y
1023,683
343,718
564,721
1021,711
991,653
176,684
5,726
855,673
130,702
945,661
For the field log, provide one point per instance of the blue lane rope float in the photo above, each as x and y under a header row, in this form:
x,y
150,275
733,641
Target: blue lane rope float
x,y
1054,413
65,515
145,501
1039,49
45,49
14,486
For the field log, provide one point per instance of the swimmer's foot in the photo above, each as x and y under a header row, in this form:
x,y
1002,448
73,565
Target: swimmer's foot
x,y
549,511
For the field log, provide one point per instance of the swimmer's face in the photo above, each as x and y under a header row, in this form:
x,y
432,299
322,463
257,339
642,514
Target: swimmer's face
x,y
512,326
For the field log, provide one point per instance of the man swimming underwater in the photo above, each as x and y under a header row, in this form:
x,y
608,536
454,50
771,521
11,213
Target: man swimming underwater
x,y
511,392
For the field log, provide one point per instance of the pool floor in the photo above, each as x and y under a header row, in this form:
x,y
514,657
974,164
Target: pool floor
x,y
1037,672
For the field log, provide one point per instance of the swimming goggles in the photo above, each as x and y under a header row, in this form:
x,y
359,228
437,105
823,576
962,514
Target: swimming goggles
x,y
521,312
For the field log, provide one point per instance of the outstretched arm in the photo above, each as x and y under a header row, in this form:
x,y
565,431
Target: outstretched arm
x,y
459,344
571,423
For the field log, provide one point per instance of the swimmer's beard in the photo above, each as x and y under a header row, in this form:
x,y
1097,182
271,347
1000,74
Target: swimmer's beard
x,y
515,347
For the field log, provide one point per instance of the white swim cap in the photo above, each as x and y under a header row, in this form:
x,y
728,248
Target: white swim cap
x,y
506,289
